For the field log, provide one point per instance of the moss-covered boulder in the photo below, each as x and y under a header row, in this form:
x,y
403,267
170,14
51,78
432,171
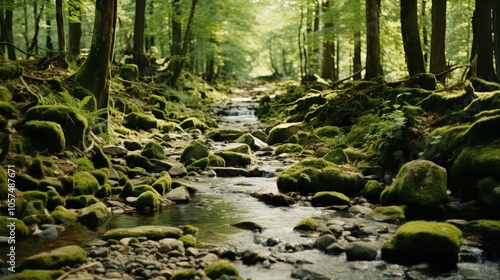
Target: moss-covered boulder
x,y
238,148
220,268
185,274
20,228
99,158
387,213
84,183
306,224
188,240
488,232
194,151
330,198
148,201
210,161
288,148
445,103
489,195
337,156
5,94
95,215
372,191
140,189
421,185
140,121
315,175
235,159
150,232
255,143
53,137
153,150
136,160
444,144
163,184
80,201
62,215
364,126
35,274
193,122
74,125
35,195
58,258
281,132
328,131
435,243
4,190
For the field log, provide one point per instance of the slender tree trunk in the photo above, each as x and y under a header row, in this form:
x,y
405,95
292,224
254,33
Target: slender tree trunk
x,y
61,39
140,58
26,29
3,32
328,67
411,37
48,39
496,32
482,42
175,47
150,39
33,47
438,56
356,61
94,74
299,40
373,65
424,33
75,27
6,26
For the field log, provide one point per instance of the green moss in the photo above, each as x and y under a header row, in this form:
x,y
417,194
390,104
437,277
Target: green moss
x,y
485,102
443,144
133,240
185,274
53,137
81,201
55,201
101,175
73,124
364,126
57,258
35,195
372,191
387,213
7,110
4,190
127,189
139,189
94,215
328,131
22,231
153,150
163,184
150,232
445,103
483,130
337,156
235,159
219,269
129,72
194,151
36,169
148,201
84,183
26,183
238,148
281,132
188,240
228,135
136,160
315,175
132,145
489,195
139,121
5,94
62,215
306,224
330,198
288,148
188,229
193,122
302,138
99,159
159,101
421,185
83,163
104,191
416,242
30,274
169,126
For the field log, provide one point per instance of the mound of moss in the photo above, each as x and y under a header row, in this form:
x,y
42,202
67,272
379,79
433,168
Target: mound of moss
x,y
163,184
306,224
185,274
387,213
435,243
193,122
288,148
148,201
194,151
62,215
315,175
136,160
81,201
235,159
94,215
337,156
153,150
150,232
281,132
330,198
140,121
221,268
53,137
21,229
372,191
84,183
58,258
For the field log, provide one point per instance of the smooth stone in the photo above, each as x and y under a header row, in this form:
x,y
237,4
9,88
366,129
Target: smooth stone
x,y
180,194
113,150
361,251
209,258
324,241
358,209
113,174
59,228
178,170
99,253
48,233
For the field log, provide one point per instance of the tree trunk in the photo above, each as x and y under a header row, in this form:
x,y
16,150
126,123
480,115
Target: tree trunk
x,y
175,47
75,27
48,39
94,74
356,61
328,67
25,35
33,48
6,26
496,32
482,42
411,37
424,33
373,65
140,58
61,39
438,56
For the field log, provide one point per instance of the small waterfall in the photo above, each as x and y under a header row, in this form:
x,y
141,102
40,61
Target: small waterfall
x,y
471,254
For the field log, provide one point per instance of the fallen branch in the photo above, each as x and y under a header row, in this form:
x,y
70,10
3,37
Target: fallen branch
x,y
339,82
17,48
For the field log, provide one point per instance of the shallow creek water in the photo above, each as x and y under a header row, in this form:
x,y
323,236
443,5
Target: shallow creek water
x,y
221,202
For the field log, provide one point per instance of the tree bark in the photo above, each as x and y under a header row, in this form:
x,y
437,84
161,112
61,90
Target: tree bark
x,y
373,65
140,58
496,32
356,61
33,47
6,29
75,27
61,39
328,66
482,42
438,56
411,37
94,74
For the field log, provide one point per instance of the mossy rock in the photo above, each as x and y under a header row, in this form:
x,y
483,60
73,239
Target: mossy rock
x,y
328,131
288,148
216,161
255,143
421,185
185,274
99,158
330,198
220,268
489,233
443,144
95,215
306,224
84,183
193,122
73,124
81,201
132,145
140,121
188,240
150,232
163,184
153,150
189,229
35,274
25,182
62,215
225,135
57,258
435,243
136,160
7,110
36,169
194,151
53,137
127,189
4,190
129,72
148,201
55,201
315,175
337,156
489,195
159,101
372,191
83,163
140,189
101,175
302,138
387,213
22,231
5,94
281,132
235,159
169,126
238,148
445,103
363,127
35,195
